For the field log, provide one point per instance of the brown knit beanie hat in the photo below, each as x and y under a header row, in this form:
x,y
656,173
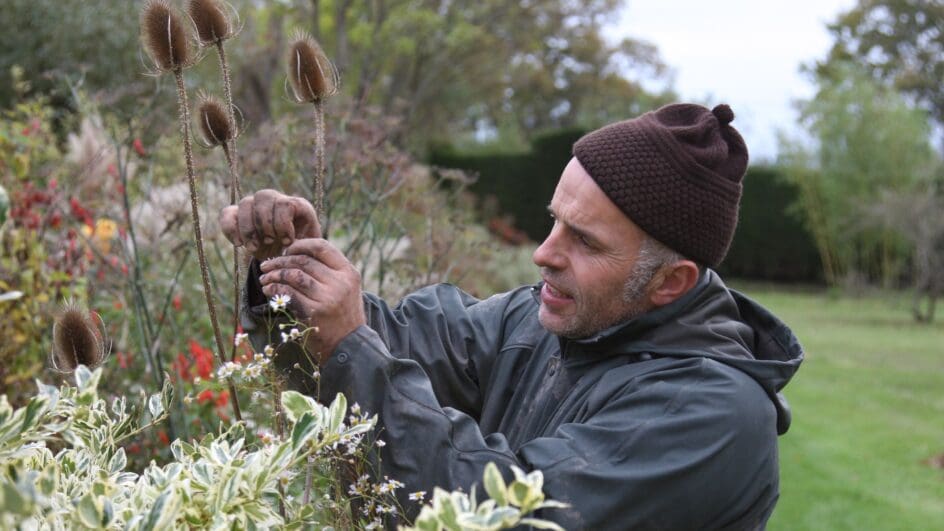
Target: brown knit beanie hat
x,y
676,172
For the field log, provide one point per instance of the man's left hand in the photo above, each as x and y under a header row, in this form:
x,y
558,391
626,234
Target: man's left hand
x,y
325,289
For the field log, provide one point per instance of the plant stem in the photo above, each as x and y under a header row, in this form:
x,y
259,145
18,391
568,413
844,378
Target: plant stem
x,y
318,185
229,150
197,236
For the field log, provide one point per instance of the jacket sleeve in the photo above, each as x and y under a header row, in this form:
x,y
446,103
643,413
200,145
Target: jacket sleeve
x,y
653,454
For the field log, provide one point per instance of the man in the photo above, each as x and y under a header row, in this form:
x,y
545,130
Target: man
x,y
643,388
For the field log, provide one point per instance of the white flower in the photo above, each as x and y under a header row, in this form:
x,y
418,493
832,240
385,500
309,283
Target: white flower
x,y
266,437
279,302
254,370
356,408
269,351
292,335
380,443
239,339
418,496
227,369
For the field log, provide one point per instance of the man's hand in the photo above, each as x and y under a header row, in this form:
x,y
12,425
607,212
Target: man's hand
x,y
268,221
325,289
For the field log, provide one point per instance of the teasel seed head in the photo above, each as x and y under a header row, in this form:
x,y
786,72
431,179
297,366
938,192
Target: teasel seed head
x,y
164,35
215,123
77,340
312,75
211,20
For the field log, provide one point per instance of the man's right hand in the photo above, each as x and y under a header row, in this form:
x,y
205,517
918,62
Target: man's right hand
x,y
267,222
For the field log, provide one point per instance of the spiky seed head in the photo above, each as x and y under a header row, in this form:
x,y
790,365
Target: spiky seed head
x,y
213,24
164,35
215,124
312,75
76,340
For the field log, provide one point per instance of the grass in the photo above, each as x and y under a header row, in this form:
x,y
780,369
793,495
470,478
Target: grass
x,y
868,413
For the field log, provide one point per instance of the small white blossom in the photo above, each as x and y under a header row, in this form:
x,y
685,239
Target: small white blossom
x,y
279,302
380,443
254,370
356,408
269,351
418,496
292,335
227,369
239,339
266,437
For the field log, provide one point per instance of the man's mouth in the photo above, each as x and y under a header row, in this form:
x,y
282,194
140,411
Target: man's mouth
x,y
553,297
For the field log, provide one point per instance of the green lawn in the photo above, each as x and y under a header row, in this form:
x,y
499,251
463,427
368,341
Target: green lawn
x,y
868,407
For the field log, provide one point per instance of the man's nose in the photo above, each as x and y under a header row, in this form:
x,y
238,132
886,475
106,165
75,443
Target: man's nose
x,y
549,254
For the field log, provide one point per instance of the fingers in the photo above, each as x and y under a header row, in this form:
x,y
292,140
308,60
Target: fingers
x,y
321,250
305,219
307,264
229,224
263,213
246,224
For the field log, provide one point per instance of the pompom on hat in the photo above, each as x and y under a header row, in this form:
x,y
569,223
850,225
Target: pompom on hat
x,y
676,173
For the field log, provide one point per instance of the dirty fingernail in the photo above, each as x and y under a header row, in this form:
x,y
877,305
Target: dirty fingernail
x,y
267,240
286,241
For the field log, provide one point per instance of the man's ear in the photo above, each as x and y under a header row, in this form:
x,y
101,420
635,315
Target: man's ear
x,y
673,281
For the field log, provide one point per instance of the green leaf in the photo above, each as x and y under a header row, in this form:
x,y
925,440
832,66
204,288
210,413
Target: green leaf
x,y
495,484
89,513
118,462
336,413
296,404
156,405
306,428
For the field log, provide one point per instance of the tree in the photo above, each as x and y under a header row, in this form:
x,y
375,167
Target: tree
x,y
865,138
448,67
900,43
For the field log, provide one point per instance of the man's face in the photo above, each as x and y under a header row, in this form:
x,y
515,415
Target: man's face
x,y
587,260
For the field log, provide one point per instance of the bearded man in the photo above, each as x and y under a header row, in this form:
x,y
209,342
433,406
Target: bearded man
x,y
645,390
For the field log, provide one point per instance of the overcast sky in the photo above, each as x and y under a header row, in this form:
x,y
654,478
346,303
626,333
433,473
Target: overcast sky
x,y
746,53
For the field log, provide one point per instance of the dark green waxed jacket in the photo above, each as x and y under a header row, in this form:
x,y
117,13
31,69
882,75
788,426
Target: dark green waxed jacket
x,y
667,421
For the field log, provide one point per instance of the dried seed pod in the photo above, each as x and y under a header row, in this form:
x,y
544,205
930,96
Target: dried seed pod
x,y
211,21
76,340
313,76
215,124
164,35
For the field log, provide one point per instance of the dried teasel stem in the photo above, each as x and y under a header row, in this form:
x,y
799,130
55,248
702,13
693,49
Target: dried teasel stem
x,y
213,27
197,234
165,39
77,340
313,78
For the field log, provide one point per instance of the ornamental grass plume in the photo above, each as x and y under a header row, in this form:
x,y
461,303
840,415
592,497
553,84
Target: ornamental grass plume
x,y
166,41
77,340
313,78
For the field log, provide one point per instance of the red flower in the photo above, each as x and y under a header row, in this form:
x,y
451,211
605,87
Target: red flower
x,y
182,366
162,435
177,302
139,147
222,398
124,359
203,358
205,396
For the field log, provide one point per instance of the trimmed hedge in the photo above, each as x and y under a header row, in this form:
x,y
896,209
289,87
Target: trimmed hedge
x,y
771,243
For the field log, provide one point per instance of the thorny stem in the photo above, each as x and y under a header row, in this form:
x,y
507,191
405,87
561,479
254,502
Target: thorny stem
x,y
229,150
318,185
198,237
